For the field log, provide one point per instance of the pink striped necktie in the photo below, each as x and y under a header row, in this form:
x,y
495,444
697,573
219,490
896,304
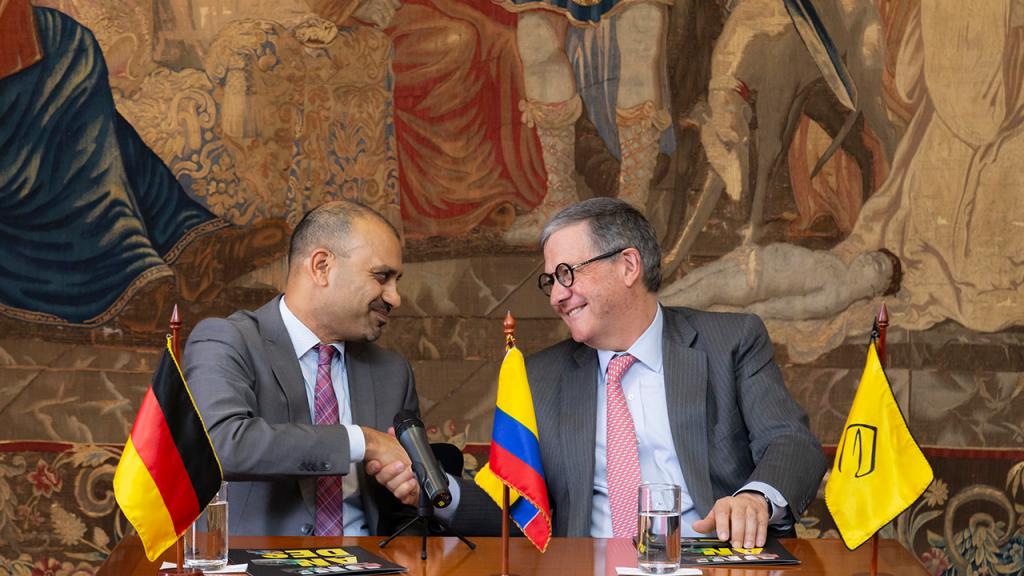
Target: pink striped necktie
x,y
328,520
623,458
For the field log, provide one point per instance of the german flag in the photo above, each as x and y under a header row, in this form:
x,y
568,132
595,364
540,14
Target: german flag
x,y
168,472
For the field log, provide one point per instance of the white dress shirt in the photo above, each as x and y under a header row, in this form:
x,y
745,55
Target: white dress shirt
x,y
644,387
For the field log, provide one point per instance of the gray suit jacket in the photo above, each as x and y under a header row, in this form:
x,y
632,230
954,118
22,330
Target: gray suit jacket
x,y
248,386
732,419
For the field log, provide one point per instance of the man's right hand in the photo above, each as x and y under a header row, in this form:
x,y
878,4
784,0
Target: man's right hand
x,y
741,519
389,464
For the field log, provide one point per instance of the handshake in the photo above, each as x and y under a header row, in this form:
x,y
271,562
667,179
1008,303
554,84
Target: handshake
x,y
403,461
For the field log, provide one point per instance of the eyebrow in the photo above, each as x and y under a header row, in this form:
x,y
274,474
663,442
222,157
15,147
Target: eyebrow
x,y
386,271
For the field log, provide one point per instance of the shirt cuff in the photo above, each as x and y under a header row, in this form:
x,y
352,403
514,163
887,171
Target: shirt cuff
x,y
779,505
356,443
448,512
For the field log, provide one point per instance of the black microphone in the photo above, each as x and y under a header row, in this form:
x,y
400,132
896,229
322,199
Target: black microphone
x,y
413,437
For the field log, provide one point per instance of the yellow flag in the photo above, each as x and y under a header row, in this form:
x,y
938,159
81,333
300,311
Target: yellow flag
x,y
879,470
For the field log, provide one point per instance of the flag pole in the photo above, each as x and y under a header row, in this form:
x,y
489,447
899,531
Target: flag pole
x,y
509,326
883,326
504,531
175,324
179,546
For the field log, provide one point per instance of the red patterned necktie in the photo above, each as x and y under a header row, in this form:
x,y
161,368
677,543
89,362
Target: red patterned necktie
x,y
328,520
623,459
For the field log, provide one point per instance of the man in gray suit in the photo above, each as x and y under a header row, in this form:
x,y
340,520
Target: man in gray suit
x,y
707,407
296,397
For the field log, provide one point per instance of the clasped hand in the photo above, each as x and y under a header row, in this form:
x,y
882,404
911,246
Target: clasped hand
x,y
741,519
389,464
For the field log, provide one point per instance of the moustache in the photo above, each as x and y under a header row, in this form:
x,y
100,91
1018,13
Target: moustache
x,y
380,305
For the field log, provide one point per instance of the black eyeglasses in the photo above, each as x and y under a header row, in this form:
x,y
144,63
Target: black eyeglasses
x,y
565,274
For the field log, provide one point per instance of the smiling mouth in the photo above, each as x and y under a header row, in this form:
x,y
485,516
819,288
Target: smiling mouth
x,y
573,312
381,309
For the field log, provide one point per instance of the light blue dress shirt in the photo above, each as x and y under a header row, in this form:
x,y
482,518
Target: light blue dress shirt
x,y
644,387
303,340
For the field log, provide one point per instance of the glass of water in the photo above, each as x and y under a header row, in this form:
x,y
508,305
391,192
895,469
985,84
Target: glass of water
x,y
206,541
658,544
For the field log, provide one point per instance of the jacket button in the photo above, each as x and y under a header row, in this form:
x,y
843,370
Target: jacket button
x,y
306,529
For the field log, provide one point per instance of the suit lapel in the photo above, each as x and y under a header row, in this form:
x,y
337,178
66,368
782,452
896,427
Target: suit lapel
x,y
363,402
360,387
579,421
686,383
281,354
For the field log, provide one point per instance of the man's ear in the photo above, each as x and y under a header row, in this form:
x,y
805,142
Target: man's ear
x,y
633,266
319,265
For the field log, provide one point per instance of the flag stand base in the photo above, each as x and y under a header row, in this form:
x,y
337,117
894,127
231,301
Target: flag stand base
x,y
180,569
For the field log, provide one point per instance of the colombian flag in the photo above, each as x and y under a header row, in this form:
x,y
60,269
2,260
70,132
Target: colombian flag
x,y
515,454
168,472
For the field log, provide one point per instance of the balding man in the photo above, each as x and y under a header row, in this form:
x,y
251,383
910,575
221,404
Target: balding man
x,y
296,397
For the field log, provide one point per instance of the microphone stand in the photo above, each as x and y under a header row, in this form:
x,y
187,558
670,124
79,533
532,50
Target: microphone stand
x,y
425,516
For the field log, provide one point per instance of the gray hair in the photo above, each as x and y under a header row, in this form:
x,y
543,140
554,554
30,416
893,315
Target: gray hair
x,y
328,226
613,224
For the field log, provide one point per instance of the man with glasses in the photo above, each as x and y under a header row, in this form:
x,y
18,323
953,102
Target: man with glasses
x,y
647,393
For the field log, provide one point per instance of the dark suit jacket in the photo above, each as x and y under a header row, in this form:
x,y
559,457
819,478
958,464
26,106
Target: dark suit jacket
x,y
732,419
248,387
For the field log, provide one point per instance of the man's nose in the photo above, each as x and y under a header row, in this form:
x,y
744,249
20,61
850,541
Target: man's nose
x,y
558,293
391,295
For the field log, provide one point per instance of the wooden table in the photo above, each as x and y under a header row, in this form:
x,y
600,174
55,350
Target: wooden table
x,y
565,556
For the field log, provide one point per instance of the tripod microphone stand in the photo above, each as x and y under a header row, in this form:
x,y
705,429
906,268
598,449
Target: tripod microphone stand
x,y
425,517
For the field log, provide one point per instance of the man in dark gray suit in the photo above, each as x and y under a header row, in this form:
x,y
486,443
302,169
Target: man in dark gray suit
x,y
707,403
296,397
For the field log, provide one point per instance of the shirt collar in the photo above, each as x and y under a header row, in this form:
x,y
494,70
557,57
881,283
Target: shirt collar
x,y
301,336
647,349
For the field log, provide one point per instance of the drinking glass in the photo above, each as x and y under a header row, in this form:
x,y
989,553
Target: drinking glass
x,y
206,541
658,545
